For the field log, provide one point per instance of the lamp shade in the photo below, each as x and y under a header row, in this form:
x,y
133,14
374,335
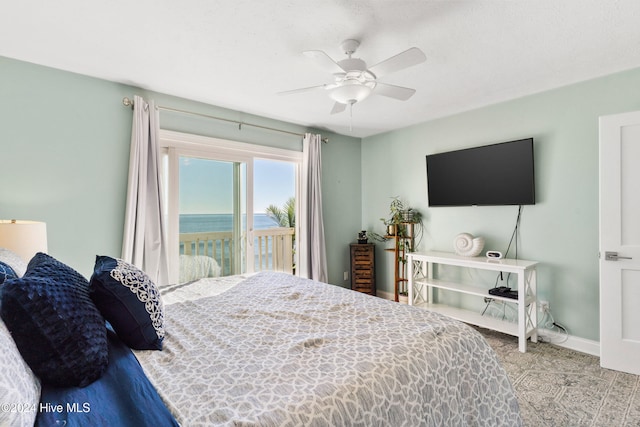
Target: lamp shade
x,y
25,238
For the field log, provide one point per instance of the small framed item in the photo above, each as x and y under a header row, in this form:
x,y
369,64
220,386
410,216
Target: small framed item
x,y
494,254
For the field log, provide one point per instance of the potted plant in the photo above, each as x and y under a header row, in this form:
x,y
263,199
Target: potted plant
x,y
390,226
396,209
399,216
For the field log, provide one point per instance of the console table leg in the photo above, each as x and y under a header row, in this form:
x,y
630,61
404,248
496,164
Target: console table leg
x,y
522,313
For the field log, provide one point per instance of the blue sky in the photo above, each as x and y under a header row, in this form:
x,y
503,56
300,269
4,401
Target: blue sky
x,y
206,185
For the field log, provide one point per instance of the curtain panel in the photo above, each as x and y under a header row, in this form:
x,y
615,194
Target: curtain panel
x,y
145,241
313,256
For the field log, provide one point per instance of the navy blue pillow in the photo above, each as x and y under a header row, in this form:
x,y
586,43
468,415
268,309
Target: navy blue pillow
x,y
6,272
130,301
59,331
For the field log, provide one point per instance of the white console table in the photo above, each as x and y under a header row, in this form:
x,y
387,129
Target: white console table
x,y
422,283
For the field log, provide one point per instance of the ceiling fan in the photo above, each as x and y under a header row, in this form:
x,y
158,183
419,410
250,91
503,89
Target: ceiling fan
x,y
353,81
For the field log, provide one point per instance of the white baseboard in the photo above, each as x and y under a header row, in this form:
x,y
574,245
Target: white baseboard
x,y
567,341
386,295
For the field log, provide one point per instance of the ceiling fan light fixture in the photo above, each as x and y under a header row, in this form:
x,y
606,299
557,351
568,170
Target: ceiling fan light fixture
x,y
351,92
354,81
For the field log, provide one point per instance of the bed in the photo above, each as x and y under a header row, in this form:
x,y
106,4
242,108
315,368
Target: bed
x,y
271,349
277,350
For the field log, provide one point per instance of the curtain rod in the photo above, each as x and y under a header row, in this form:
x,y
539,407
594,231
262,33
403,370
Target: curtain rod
x,y
129,103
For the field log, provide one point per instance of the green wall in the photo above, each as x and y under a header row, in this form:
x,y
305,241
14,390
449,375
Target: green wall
x,y
65,147
65,156
560,231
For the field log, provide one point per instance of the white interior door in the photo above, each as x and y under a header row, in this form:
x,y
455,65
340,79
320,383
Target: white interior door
x,y
620,242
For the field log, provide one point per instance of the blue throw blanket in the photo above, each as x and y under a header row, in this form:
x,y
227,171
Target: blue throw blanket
x,y
122,397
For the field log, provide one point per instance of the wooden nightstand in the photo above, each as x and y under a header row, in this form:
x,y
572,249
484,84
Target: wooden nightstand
x,y
363,268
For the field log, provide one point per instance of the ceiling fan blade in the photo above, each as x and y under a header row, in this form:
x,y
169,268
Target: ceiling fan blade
x,y
304,89
406,59
338,107
324,61
392,91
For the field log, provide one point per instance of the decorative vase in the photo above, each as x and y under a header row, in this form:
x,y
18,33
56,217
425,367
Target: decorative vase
x,y
408,215
465,244
391,230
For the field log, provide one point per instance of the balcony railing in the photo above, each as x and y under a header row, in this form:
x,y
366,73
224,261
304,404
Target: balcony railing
x,y
273,249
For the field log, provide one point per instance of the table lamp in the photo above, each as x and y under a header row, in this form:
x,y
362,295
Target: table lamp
x,y
25,238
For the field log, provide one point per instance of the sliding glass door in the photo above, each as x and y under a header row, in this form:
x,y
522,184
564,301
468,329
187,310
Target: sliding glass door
x,y
231,209
212,217
274,192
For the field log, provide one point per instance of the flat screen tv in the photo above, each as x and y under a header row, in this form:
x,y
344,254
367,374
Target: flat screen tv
x,y
491,175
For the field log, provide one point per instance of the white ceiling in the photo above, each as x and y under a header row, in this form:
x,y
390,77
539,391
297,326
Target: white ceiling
x,y
239,53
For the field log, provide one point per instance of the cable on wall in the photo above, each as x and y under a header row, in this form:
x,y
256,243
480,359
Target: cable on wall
x,y
514,236
514,239
129,103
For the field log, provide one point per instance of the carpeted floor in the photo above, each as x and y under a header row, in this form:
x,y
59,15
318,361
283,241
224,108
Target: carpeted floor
x,y
565,388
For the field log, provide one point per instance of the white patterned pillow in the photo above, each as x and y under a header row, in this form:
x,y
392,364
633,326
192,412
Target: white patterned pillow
x,y
19,387
130,301
13,260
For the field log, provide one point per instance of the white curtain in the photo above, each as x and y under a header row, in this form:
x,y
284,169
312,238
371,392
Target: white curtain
x,y
144,242
312,257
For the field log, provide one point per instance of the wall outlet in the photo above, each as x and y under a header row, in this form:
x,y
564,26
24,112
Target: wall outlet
x,y
345,275
543,306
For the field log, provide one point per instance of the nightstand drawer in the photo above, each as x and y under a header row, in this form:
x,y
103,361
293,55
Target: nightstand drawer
x,y
362,274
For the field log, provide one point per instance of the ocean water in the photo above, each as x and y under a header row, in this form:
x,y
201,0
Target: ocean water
x,y
200,223
196,223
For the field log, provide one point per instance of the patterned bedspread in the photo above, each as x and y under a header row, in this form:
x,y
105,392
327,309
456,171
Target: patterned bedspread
x,y
276,350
